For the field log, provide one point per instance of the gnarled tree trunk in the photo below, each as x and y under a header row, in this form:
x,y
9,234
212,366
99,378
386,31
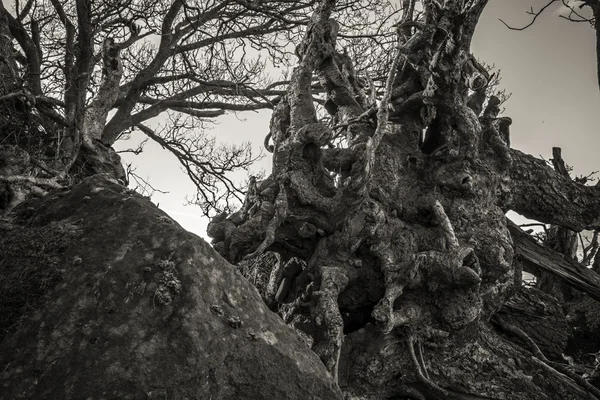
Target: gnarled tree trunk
x,y
405,255
37,153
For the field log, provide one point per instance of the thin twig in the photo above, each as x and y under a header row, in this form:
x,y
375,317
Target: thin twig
x,y
531,12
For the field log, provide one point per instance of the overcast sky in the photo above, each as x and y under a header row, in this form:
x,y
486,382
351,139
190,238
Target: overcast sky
x,y
550,69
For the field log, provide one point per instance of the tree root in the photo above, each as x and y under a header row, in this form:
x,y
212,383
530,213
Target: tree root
x,y
540,359
420,369
269,147
37,181
412,393
327,315
457,266
291,270
440,215
422,358
281,207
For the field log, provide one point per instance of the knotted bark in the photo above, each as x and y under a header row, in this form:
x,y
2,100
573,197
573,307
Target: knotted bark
x,y
405,241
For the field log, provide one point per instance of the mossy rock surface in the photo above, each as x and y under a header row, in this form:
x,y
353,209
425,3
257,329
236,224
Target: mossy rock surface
x,y
118,301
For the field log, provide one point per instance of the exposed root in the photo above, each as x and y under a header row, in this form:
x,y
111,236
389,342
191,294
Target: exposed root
x,y
37,181
419,369
327,314
281,207
444,221
456,267
275,279
407,315
508,327
567,380
394,287
251,202
411,393
291,270
422,359
540,358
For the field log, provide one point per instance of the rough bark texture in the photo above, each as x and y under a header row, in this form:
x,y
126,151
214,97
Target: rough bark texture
x,y
405,254
95,115
540,315
57,149
380,237
540,193
102,295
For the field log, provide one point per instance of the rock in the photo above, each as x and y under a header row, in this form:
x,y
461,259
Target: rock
x,y
147,311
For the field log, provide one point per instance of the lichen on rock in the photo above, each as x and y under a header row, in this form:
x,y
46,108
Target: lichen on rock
x,y
168,284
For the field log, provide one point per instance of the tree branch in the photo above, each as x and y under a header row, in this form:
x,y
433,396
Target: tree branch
x,y
535,14
540,193
19,32
113,129
206,166
95,115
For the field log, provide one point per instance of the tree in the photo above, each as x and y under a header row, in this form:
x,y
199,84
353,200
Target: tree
x,y
392,174
93,71
389,221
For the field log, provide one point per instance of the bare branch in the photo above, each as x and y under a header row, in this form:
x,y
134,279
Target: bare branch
x,y
535,14
206,166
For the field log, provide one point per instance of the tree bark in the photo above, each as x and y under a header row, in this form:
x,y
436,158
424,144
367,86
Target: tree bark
x,y
407,250
538,192
538,258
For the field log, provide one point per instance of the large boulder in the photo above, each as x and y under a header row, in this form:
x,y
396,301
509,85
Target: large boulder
x,y
104,296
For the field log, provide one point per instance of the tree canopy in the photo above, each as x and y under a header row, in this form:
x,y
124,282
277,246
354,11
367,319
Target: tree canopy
x,y
95,71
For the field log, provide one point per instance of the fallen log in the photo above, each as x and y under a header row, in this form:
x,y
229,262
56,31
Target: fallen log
x,y
537,257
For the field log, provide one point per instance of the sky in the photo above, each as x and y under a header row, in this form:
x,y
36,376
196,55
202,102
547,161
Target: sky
x,y
550,69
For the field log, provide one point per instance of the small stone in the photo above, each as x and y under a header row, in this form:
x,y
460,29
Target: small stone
x,y
86,197
147,269
77,260
234,322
